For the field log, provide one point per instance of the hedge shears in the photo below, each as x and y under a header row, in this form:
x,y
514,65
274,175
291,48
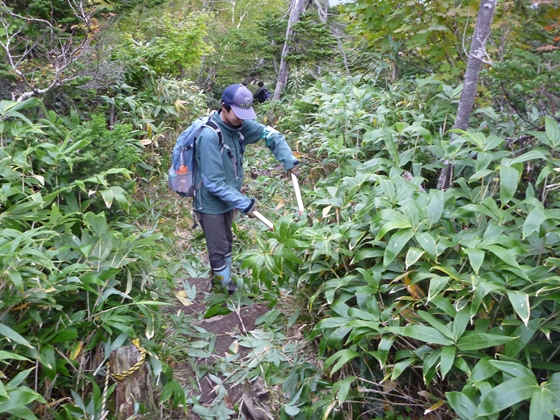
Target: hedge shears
x,y
267,222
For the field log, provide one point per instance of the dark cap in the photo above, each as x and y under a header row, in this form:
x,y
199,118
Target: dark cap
x,y
241,100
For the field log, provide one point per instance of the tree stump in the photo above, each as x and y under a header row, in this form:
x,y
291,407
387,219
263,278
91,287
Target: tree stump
x,y
135,388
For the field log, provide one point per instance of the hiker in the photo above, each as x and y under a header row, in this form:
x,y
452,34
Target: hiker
x,y
262,94
220,174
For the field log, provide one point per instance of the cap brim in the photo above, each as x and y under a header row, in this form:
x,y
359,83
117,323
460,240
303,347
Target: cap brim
x,y
244,113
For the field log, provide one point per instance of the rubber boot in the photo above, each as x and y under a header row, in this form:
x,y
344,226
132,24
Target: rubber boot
x,y
231,287
223,276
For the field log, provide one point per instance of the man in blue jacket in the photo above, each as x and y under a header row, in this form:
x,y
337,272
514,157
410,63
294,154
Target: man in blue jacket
x,y
220,174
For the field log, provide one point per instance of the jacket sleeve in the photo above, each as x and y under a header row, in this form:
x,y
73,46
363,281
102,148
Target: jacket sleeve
x,y
213,173
253,132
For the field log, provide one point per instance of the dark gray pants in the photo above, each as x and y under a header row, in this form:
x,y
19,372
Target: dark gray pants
x,y
219,237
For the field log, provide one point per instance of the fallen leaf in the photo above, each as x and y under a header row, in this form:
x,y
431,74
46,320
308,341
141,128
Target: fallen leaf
x,y
434,407
548,48
182,297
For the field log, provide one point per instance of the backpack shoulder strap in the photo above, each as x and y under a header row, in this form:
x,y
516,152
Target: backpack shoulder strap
x,y
216,129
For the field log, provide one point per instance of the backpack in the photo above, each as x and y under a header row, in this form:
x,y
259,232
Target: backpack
x,y
263,95
181,174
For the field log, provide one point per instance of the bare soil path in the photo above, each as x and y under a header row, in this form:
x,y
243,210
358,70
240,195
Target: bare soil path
x,y
218,351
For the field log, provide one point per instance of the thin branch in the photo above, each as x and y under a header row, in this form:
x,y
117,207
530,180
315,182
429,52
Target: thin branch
x,y
58,50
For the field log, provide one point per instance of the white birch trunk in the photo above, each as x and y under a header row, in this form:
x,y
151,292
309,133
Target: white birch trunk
x,y
477,57
296,9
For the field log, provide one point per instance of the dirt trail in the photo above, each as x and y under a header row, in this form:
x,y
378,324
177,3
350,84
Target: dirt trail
x,y
205,369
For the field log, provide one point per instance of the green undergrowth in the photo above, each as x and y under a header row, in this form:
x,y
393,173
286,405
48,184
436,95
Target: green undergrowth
x,y
419,301
423,301
386,298
82,270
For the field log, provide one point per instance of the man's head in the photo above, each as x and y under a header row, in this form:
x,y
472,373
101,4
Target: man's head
x,y
260,84
240,99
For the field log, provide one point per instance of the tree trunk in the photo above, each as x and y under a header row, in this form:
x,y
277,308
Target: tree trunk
x,y
135,388
477,57
296,9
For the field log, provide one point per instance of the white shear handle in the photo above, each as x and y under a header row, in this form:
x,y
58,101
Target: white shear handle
x,y
298,193
263,219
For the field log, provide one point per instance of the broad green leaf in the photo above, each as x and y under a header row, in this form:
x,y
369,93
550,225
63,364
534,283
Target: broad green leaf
x,y
16,278
333,322
198,353
390,225
445,305
493,142
552,131
291,410
480,174
483,370
197,409
151,303
22,413
6,355
342,387
453,148
65,335
199,344
396,244
435,206
509,178
11,335
525,334
475,341
371,280
514,369
521,305
437,284
390,144
121,197
428,243
363,315
447,269
546,171
461,404
461,364
541,405
460,322
343,357
481,289
420,332
383,350
412,256
506,255
96,222
531,155
268,318
533,221
507,394
436,323
553,385
364,253
483,159
19,397
447,359
476,258
400,367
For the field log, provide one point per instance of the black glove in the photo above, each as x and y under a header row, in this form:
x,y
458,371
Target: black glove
x,y
294,170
